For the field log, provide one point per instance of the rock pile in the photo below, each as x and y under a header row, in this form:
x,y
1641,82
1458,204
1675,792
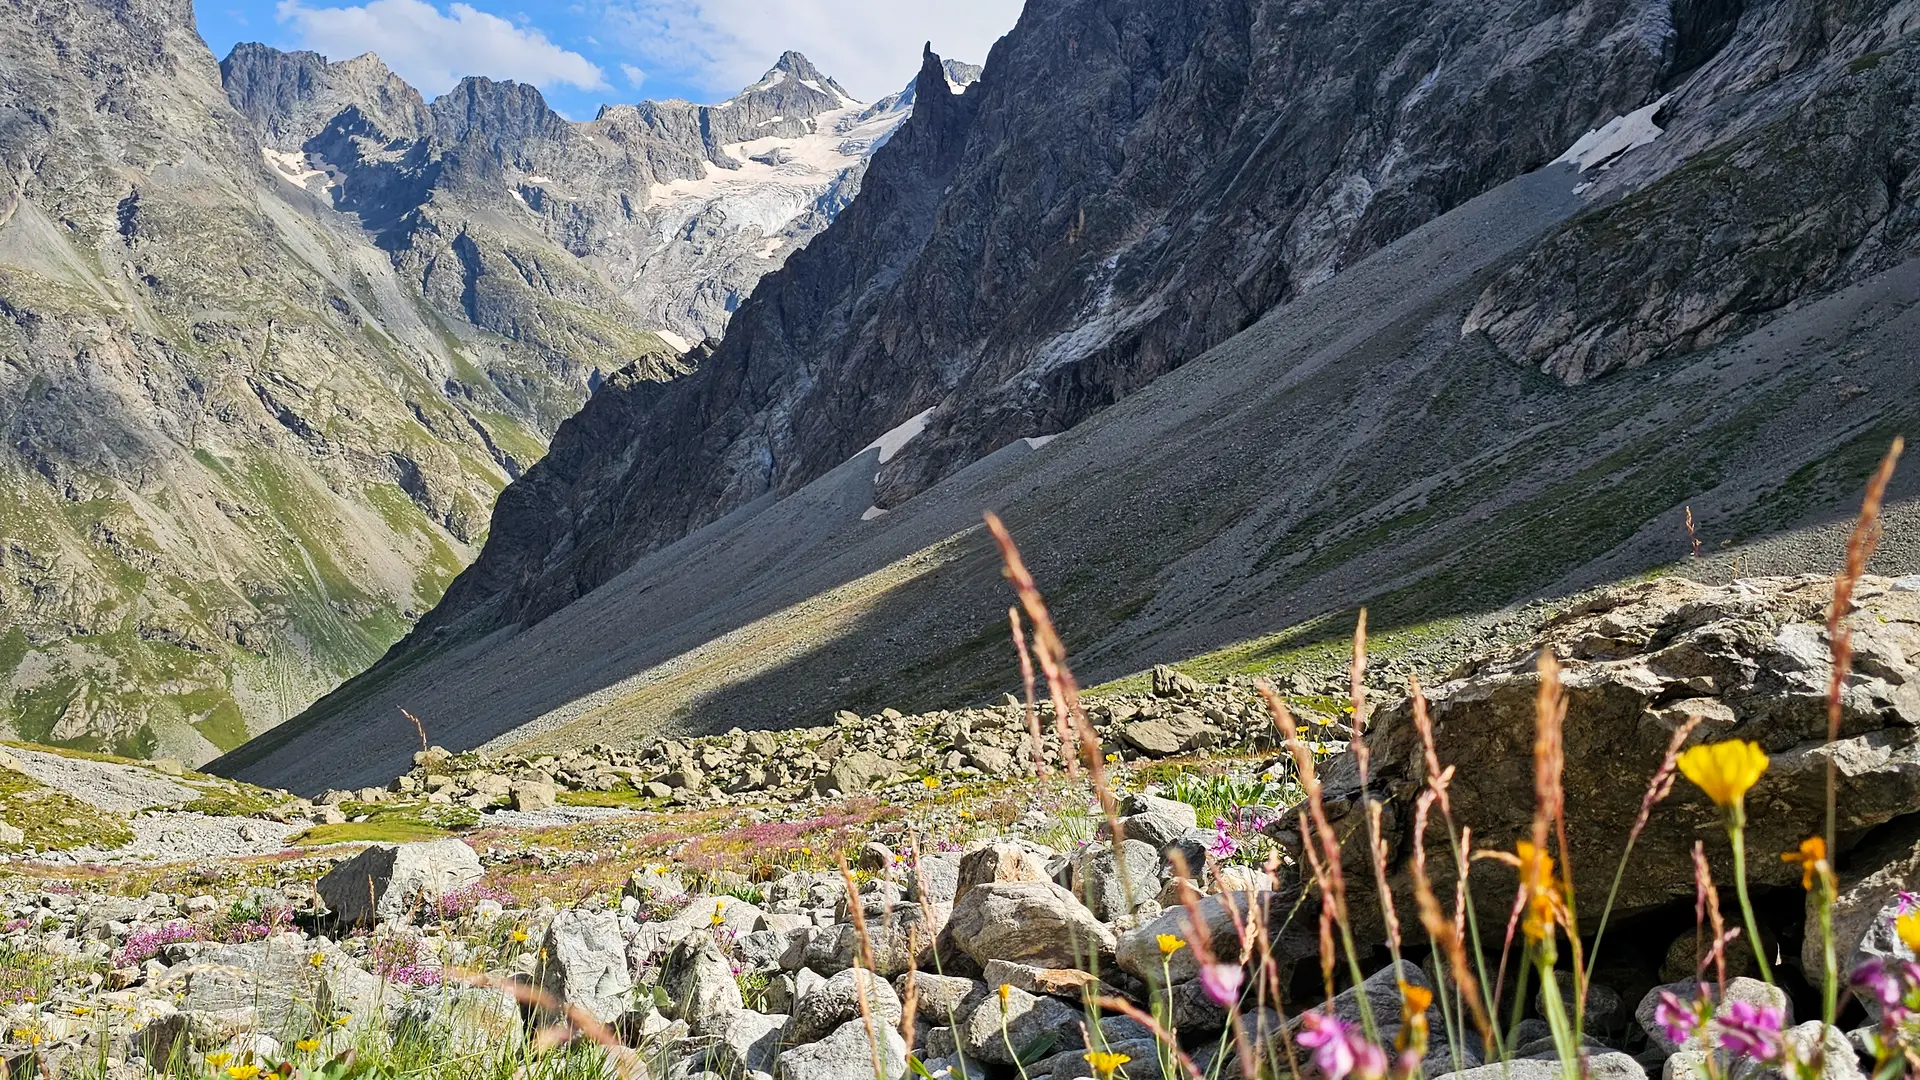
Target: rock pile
x,y
854,754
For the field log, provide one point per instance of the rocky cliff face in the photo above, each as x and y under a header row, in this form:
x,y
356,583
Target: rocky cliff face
x,y
275,332
1104,205
790,528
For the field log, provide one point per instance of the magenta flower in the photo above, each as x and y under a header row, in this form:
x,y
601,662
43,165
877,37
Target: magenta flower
x,y
1678,1020
1224,846
1339,1050
1751,1031
1908,902
1221,982
1890,983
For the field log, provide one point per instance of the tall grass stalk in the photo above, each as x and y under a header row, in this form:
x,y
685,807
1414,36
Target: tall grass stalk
x,y
1860,544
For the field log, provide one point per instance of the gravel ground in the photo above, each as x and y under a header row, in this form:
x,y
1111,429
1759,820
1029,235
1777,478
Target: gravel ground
x,y
118,788
546,819
184,837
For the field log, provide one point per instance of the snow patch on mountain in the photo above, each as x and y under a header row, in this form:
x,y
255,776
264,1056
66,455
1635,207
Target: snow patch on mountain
x,y
1598,148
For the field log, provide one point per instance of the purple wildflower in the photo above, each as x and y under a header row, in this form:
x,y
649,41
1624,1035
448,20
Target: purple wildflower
x,y
1221,982
1908,902
461,902
1752,1031
1224,846
146,944
1679,1020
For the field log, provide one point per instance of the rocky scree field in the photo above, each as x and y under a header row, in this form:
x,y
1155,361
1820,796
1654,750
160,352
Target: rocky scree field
x,y
936,895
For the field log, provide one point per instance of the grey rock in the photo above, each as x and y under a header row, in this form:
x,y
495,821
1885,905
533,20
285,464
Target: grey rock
x,y
1138,950
747,1043
387,881
1867,901
1611,1065
847,1054
1751,991
1029,922
827,1006
585,963
940,997
1112,887
994,1031
699,985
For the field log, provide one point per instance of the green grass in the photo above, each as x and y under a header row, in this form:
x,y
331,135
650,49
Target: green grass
x,y
53,820
373,832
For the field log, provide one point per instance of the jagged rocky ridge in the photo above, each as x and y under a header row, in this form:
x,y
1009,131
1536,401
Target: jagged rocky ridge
x,y
277,331
667,211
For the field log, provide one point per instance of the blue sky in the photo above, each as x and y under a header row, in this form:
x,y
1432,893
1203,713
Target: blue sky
x,y
582,53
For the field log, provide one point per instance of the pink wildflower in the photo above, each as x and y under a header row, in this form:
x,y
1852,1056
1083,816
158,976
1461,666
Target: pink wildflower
x,y
1221,982
1752,1031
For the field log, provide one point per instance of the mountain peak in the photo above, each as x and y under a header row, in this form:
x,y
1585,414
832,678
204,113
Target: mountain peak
x,y
802,88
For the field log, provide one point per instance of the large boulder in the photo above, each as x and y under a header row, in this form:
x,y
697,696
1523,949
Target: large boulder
x,y
699,984
847,1054
388,881
1750,658
584,963
1028,922
834,1002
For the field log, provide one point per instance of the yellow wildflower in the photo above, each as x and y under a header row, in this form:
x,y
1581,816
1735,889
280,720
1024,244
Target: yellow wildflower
x,y
930,782
520,934
317,960
1724,770
307,1046
1006,991
216,1061
1114,759
1541,894
1812,857
243,1072
81,1010
343,1020
1104,1062
1169,944
1908,927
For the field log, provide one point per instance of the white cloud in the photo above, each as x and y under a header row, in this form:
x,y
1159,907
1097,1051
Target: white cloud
x,y
434,50
635,77
872,47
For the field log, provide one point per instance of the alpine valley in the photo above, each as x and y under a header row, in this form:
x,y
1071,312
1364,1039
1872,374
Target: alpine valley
x,y
1242,314
275,331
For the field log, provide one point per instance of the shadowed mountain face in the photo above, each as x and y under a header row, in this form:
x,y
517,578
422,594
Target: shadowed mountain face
x,y
275,332
1323,296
